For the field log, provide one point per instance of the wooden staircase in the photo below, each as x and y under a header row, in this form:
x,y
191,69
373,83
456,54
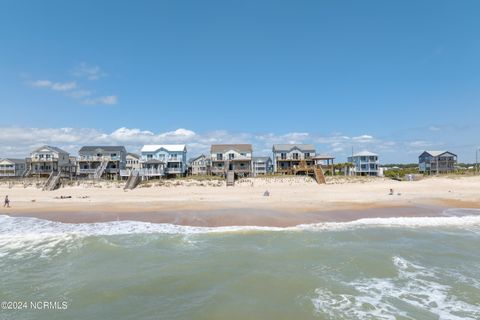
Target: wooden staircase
x,y
52,181
26,173
100,170
133,180
230,178
318,174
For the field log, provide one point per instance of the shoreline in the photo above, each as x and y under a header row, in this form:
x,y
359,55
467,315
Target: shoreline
x,y
239,217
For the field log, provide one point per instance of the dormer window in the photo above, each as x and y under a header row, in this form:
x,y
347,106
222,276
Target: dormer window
x,y
231,156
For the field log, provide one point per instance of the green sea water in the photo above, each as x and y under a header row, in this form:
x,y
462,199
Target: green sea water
x,y
396,268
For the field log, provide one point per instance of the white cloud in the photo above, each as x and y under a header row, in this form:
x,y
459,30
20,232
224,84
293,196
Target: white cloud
x,y
83,70
18,142
106,100
70,88
57,86
365,138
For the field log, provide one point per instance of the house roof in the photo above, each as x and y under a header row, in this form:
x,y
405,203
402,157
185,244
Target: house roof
x,y
290,147
437,153
14,160
364,154
261,159
134,155
220,148
104,148
196,158
54,149
168,147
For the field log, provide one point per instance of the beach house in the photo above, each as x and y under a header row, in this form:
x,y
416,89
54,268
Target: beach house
x,y
169,158
133,161
288,156
236,158
201,165
12,167
365,163
47,159
261,166
435,162
101,161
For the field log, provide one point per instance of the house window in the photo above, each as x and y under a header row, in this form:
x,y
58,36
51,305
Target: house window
x,y
173,156
149,156
231,156
243,154
295,156
307,155
283,156
219,156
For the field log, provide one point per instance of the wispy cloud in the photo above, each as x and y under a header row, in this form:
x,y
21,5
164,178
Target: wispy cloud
x,y
105,100
56,86
84,70
73,90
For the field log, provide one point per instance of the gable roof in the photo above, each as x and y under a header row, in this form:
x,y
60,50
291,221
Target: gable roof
x,y
437,153
14,160
53,149
104,148
134,155
168,147
221,148
290,147
261,159
198,157
365,154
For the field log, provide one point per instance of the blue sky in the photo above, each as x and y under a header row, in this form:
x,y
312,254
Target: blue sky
x,y
393,77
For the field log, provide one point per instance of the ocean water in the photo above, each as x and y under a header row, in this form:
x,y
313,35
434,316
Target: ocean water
x,y
395,268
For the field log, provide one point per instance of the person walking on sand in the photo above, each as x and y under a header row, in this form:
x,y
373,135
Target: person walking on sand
x,y
7,202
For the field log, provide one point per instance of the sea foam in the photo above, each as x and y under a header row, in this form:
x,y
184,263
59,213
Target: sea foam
x,y
414,288
33,227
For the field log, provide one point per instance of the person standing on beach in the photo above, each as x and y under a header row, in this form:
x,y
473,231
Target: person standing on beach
x,y
7,202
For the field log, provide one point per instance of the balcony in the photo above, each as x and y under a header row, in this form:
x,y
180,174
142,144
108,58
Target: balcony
x,y
86,171
7,173
98,158
172,170
144,172
44,160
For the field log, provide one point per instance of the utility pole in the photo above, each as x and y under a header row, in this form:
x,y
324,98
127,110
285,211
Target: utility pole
x,y
476,160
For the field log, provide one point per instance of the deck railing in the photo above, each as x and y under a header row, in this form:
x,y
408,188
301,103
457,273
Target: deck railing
x,y
99,158
143,172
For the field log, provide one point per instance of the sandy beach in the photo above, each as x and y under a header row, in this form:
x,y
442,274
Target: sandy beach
x,y
292,200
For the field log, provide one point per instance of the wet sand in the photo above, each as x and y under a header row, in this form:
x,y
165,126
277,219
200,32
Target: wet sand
x,y
234,217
